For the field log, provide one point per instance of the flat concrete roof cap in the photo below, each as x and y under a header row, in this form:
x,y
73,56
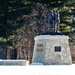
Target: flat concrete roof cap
x,y
51,37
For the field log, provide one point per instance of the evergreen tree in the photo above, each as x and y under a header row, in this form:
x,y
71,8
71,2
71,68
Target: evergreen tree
x,y
11,13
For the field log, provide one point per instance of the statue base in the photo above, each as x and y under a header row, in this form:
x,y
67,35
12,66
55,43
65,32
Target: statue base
x,y
52,50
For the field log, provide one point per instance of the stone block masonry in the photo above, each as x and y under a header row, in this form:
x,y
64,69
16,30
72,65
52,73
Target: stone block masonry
x,y
52,50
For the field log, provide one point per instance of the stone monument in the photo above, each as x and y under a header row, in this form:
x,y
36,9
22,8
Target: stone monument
x,y
52,50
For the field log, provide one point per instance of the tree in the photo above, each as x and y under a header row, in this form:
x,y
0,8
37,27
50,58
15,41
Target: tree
x,y
51,3
14,19
11,15
11,18
35,24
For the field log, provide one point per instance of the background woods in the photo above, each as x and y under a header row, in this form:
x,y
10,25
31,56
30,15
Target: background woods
x,y
22,20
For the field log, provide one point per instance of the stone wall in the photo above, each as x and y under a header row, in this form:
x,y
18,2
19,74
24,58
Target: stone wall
x,y
14,62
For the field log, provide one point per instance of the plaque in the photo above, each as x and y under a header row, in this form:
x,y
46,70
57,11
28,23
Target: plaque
x,y
39,45
39,50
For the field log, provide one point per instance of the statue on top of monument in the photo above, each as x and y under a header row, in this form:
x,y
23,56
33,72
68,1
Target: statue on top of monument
x,y
56,20
49,17
53,19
